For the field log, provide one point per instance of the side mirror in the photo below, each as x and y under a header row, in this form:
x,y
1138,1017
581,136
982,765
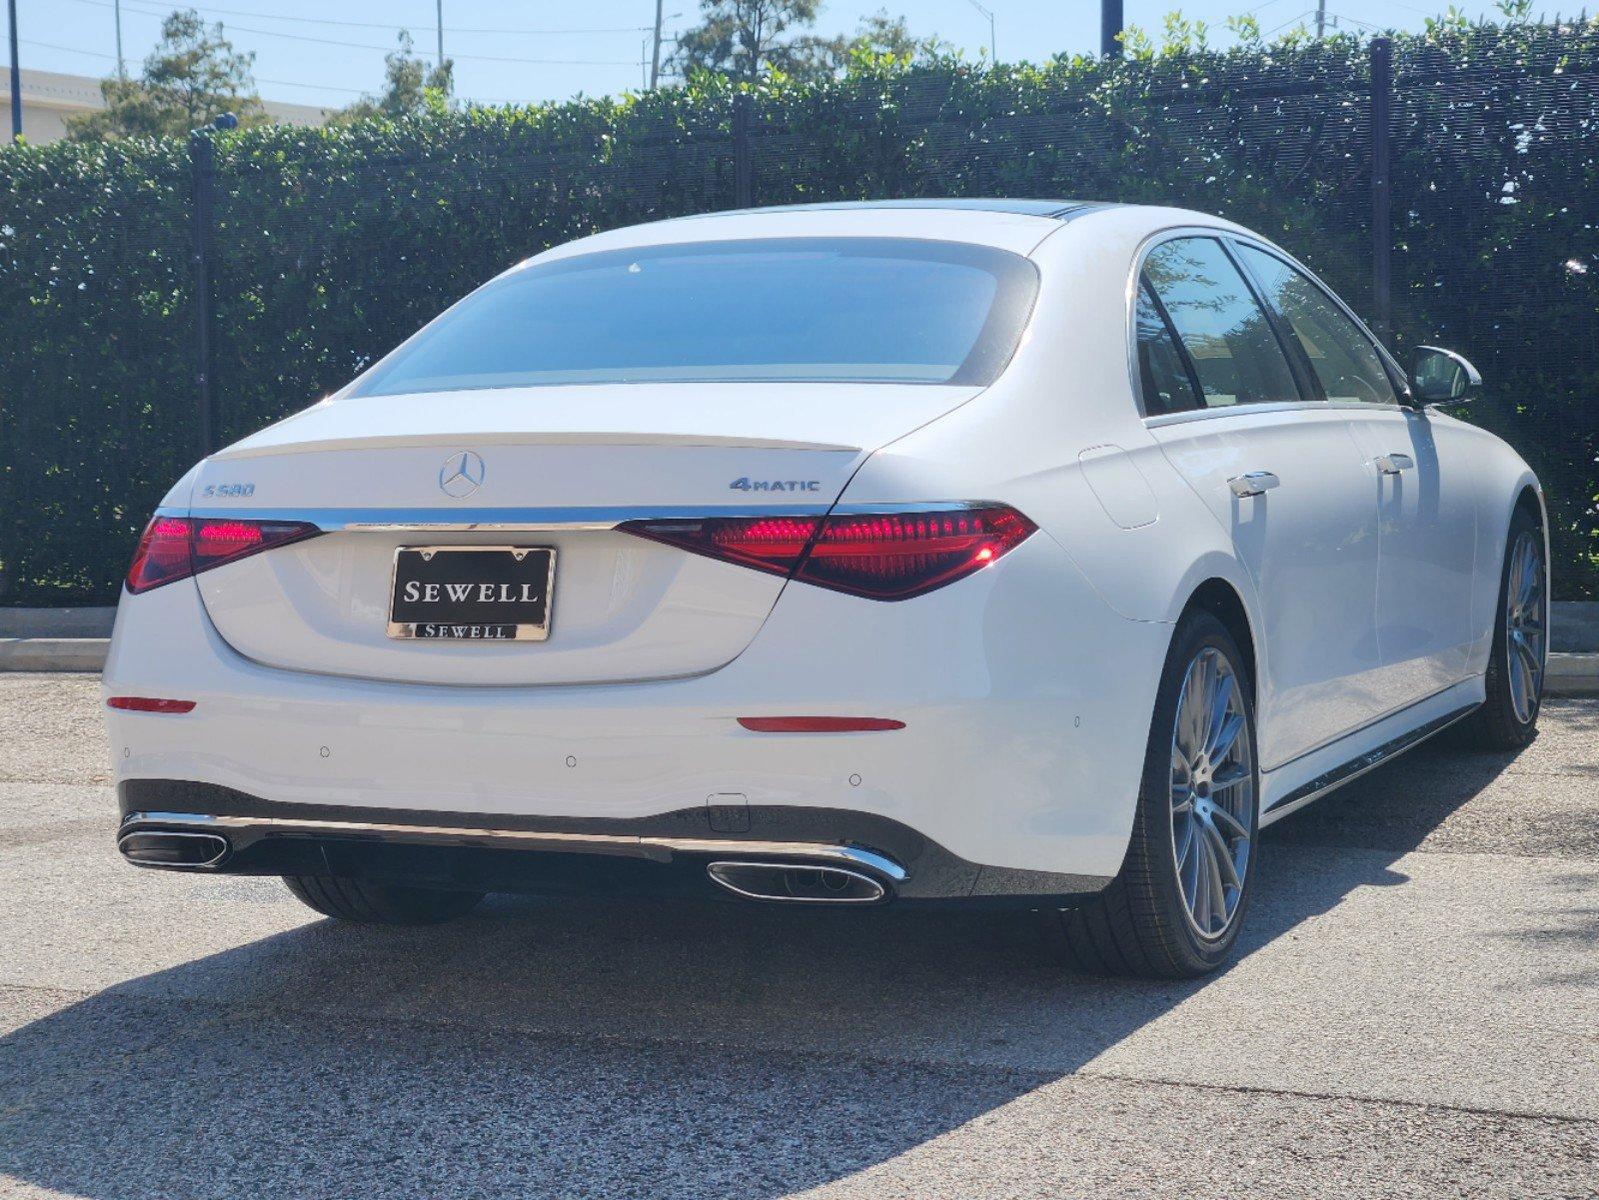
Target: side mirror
x,y
1439,376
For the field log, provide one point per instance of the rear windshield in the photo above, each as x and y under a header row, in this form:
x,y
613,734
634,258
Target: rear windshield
x,y
864,310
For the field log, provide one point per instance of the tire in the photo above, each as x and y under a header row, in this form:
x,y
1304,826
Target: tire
x,y
1148,921
1508,718
379,903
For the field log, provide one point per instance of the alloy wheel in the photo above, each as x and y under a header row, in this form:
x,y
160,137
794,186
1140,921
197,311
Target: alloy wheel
x,y
1212,792
1526,624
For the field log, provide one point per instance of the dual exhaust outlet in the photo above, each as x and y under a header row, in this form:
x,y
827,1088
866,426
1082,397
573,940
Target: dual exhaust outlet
x,y
793,882
797,882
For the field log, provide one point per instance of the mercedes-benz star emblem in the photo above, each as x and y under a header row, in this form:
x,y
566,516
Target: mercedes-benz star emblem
x,y
462,474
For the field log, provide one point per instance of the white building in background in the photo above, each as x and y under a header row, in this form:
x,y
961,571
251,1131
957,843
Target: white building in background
x,y
49,98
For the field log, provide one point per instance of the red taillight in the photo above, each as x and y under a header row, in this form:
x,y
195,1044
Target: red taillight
x,y
176,547
150,704
772,544
882,556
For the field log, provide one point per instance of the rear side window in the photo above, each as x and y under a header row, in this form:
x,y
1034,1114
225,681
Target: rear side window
x,y
1343,360
1162,372
1226,335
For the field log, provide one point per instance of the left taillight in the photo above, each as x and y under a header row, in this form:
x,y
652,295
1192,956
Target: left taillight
x,y
878,555
177,547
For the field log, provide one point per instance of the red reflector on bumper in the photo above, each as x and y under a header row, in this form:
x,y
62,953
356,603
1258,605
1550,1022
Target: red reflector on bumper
x,y
150,704
819,724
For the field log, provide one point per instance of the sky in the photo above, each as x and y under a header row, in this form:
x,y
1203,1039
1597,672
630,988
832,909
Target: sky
x,y
328,52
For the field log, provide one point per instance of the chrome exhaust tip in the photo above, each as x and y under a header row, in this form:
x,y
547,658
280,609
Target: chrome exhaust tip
x,y
179,851
797,882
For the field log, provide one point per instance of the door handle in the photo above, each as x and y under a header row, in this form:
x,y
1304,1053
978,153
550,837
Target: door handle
x,y
1392,464
1253,483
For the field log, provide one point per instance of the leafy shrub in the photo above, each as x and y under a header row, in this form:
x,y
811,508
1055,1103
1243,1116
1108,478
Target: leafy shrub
x,y
331,245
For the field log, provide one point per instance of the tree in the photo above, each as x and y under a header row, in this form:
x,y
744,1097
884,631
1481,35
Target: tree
x,y
191,77
883,34
747,39
410,87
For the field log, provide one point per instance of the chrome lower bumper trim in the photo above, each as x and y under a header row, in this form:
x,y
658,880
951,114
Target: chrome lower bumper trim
x,y
661,849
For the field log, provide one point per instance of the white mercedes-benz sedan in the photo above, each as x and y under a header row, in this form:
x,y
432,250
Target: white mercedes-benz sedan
x,y
1015,552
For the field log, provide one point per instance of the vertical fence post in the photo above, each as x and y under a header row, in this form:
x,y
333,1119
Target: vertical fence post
x,y
743,153
1382,220
202,163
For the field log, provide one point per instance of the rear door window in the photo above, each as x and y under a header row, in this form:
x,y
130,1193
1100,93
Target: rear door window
x,y
1164,374
1227,336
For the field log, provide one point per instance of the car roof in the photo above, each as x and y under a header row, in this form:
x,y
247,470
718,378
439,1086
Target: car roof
x,y
1016,225
1060,210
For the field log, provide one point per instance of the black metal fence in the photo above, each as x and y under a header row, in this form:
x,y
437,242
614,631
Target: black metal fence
x,y
157,306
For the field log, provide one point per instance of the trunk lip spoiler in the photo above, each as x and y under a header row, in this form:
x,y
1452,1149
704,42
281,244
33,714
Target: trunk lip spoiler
x,y
533,520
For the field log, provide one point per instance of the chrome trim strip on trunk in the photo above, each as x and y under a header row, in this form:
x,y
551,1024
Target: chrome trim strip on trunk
x,y
660,849
466,520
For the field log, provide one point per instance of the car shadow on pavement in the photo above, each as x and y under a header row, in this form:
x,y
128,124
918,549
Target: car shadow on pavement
x,y
609,1049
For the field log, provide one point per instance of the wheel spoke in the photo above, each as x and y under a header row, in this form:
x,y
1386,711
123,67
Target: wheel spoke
x,y
1194,715
1223,860
1216,889
1230,776
1187,847
1220,699
1202,871
1235,827
1226,737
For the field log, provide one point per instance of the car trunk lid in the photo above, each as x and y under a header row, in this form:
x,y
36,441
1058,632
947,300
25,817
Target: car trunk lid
x,y
533,469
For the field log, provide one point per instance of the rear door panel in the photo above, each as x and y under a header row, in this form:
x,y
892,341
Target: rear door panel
x,y
1310,545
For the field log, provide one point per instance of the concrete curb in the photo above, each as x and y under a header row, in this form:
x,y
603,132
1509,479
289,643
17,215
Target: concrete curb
x,y
1572,675
53,654
93,622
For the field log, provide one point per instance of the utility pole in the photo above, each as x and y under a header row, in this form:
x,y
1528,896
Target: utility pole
x,y
993,55
16,77
1321,19
122,70
202,164
1382,222
1110,28
655,51
439,7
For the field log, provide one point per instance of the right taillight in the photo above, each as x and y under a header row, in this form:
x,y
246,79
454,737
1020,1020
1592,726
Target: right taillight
x,y
880,555
174,548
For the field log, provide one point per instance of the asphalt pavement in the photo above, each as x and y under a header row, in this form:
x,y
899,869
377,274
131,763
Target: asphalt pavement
x,y
1415,1012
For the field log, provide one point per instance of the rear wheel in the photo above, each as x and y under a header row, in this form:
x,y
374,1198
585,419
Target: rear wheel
x,y
380,903
1508,718
1175,908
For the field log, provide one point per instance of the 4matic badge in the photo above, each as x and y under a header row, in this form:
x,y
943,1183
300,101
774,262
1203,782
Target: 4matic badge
x,y
745,484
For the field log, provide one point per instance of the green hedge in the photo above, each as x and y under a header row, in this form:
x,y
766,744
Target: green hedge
x,y
331,245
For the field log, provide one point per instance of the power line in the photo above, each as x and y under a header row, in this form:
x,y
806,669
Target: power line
x,y
321,87
239,12
305,37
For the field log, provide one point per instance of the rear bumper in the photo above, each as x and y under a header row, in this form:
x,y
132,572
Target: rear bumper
x,y
253,836
1025,701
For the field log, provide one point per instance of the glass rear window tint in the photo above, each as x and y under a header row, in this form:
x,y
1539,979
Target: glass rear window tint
x,y
772,310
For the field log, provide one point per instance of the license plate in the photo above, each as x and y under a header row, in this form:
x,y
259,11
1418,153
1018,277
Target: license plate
x,y
472,593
